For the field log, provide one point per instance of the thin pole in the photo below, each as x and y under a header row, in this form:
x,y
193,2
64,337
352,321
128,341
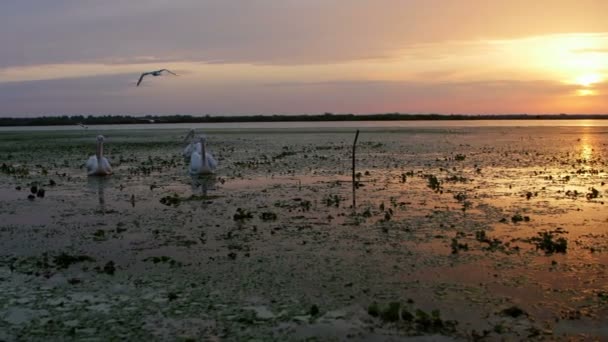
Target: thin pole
x,y
354,182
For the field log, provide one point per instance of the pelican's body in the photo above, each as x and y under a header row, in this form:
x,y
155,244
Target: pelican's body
x,y
153,73
201,161
98,165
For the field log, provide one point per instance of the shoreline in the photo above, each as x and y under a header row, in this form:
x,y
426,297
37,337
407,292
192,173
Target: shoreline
x,y
328,117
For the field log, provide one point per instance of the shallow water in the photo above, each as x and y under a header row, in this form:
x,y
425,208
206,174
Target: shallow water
x,y
192,269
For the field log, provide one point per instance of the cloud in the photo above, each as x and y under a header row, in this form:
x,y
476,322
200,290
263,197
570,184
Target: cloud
x,y
590,50
268,31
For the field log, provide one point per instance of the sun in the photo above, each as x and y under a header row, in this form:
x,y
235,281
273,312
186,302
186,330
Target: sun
x,y
588,79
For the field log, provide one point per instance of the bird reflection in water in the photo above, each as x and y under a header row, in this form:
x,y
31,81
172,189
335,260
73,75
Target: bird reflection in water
x,y
205,183
98,184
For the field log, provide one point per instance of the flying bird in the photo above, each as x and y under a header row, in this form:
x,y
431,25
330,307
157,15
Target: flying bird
x,y
153,73
98,165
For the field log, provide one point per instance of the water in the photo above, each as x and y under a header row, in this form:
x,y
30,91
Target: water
x,y
404,240
328,125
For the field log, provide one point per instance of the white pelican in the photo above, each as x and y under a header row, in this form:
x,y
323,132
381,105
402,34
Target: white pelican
x,y
153,73
98,165
201,161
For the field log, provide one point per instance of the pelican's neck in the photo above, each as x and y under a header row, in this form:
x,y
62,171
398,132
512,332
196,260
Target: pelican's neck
x,y
189,139
203,153
99,151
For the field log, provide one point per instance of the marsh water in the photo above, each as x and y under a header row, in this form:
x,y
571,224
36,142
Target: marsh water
x,y
466,230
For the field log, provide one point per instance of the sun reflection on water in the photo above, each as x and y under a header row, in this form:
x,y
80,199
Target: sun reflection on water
x,y
586,146
586,151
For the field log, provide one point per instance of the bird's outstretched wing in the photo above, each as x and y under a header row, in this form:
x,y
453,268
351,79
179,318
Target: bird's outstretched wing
x,y
141,78
169,71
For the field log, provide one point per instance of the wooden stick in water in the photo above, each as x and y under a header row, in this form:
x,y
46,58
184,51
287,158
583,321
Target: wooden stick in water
x,y
354,181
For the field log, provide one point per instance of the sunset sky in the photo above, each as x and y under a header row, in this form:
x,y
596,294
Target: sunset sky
x,y
293,56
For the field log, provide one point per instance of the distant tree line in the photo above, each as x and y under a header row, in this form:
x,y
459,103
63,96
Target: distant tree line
x,y
127,119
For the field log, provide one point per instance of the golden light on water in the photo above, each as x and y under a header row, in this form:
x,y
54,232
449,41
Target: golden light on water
x,y
586,151
586,144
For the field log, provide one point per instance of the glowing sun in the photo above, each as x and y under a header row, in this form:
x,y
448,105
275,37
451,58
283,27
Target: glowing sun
x,y
588,80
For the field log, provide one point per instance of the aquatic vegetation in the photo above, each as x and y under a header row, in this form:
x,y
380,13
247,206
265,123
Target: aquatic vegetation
x,y
284,154
373,310
314,310
545,242
593,194
519,218
492,244
456,179
457,246
109,268
434,183
391,312
65,260
268,216
18,171
420,321
242,214
513,311
99,235
433,323
332,200
388,215
175,200
171,200
164,260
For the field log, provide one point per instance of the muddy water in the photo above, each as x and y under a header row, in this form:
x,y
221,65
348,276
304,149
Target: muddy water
x,y
445,219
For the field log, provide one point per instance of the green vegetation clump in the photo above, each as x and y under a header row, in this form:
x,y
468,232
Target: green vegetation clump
x,y
64,260
164,259
284,154
519,218
513,311
314,310
242,214
545,241
391,312
593,194
460,197
433,183
175,200
421,321
493,244
268,216
456,246
172,200
373,310
332,200
19,170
